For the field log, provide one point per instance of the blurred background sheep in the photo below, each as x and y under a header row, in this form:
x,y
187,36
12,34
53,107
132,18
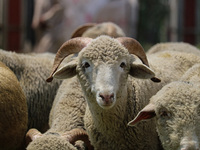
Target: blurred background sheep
x,y
92,30
174,46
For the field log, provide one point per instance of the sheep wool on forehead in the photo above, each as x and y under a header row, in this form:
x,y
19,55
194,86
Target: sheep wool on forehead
x,y
105,48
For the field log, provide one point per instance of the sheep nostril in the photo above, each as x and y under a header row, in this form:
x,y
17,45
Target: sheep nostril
x,y
107,97
112,96
102,97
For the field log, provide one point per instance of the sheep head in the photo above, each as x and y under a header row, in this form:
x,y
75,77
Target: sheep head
x,y
103,65
176,110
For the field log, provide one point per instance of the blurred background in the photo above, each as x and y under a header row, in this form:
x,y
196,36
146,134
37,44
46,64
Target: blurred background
x,y
38,25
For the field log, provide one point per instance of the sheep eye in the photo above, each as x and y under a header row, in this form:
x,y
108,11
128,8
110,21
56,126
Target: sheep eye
x,y
164,114
86,65
123,65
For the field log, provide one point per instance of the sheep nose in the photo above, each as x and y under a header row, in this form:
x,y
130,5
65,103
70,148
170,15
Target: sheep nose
x,y
107,98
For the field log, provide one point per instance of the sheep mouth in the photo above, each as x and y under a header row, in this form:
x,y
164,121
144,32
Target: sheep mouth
x,y
106,106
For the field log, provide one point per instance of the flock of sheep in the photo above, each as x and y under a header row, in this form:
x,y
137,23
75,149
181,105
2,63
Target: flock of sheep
x,y
114,96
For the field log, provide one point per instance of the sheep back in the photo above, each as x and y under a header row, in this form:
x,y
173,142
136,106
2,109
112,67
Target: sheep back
x,y
68,107
174,46
13,111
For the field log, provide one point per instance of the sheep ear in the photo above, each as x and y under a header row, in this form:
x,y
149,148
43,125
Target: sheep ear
x,y
67,71
141,71
147,112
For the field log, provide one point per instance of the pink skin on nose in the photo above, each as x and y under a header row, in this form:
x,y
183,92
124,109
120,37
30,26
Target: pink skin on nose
x,y
108,99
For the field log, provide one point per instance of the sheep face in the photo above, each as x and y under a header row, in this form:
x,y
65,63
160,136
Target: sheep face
x,y
103,79
177,111
102,68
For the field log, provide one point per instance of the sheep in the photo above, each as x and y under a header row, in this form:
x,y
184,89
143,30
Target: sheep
x,y
174,46
176,108
31,71
93,30
13,111
75,120
66,117
103,66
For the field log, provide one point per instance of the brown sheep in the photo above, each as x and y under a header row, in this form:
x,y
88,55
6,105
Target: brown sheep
x,y
13,111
